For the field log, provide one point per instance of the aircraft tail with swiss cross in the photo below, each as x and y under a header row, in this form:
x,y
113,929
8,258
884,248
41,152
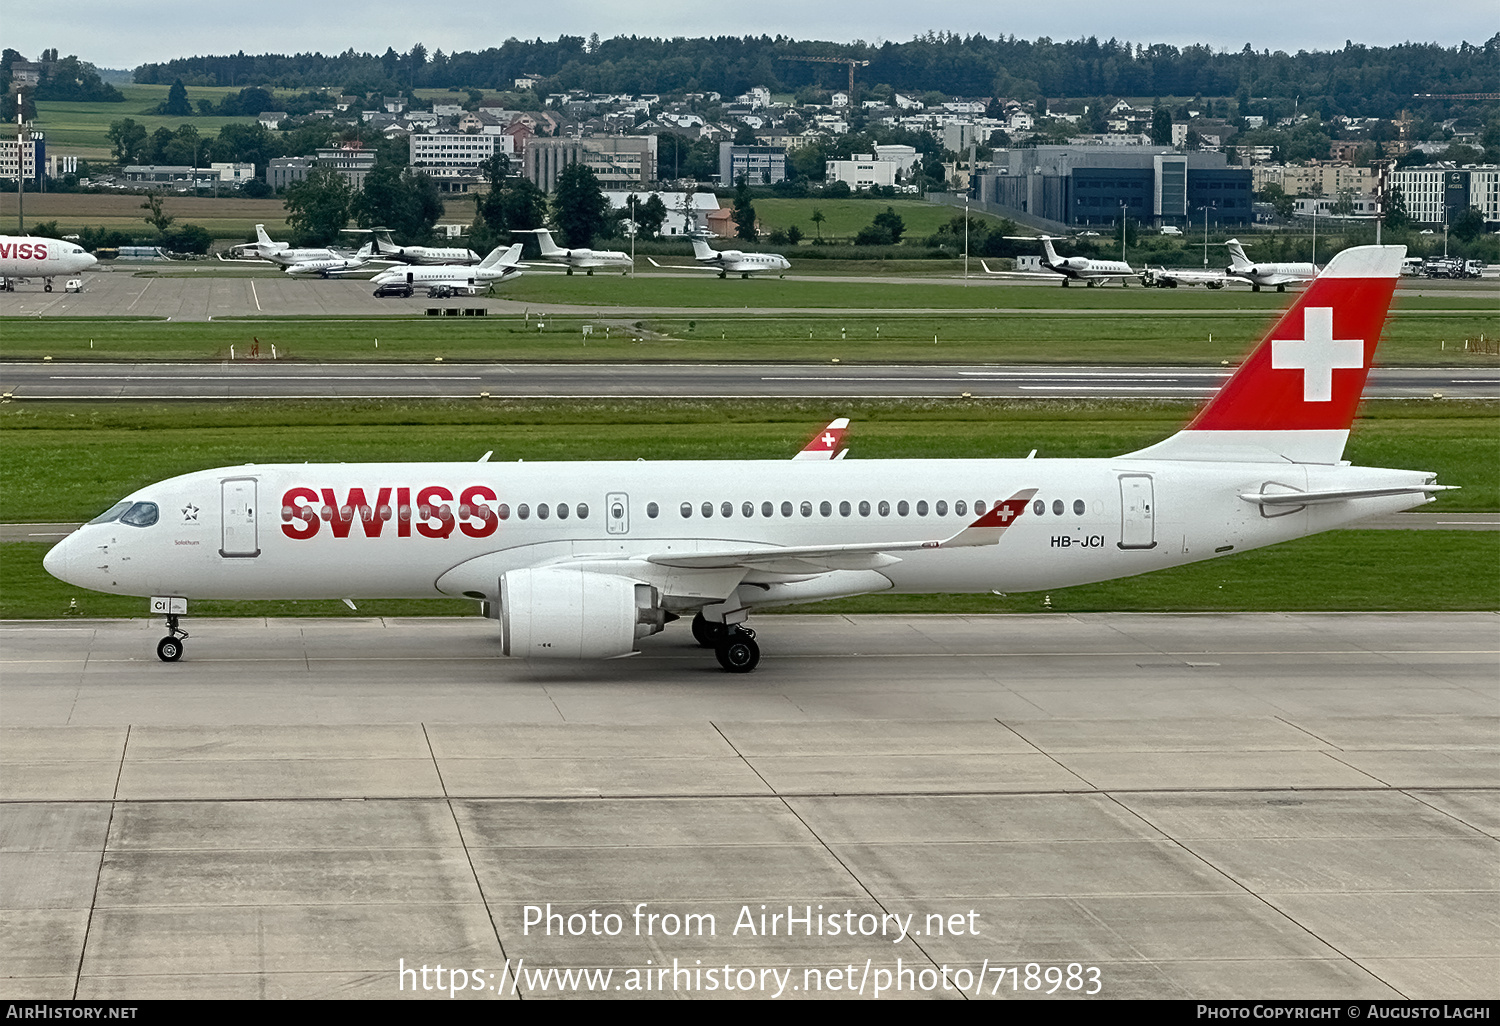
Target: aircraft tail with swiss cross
x,y
1294,398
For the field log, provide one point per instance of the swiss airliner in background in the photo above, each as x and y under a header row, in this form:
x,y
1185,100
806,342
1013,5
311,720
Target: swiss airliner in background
x,y
582,560
30,256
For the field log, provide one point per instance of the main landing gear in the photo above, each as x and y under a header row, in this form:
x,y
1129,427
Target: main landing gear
x,y
733,644
169,649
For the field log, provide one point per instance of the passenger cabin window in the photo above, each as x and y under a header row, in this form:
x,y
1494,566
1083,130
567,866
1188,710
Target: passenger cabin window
x,y
651,510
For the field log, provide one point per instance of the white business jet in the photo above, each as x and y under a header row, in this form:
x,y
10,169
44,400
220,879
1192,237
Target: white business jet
x,y
1085,269
586,259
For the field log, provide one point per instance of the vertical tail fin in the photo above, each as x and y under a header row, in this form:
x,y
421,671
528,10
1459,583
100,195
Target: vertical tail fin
x,y
548,247
262,237
702,250
1294,398
498,257
1052,257
825,444
1237,258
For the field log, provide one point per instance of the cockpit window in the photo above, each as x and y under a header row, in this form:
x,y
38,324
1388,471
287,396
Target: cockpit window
x,y
142,514
111,514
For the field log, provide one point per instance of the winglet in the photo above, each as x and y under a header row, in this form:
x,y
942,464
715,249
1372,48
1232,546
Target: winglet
x,y
992,524
825,444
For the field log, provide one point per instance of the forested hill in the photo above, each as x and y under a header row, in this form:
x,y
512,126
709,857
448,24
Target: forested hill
x,y
1376,81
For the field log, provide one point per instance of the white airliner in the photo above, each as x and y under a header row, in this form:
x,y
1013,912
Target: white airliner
x,y
333,266
388,249
1090,272
733,261
500,266
27,256
1280,275
588,259
583,559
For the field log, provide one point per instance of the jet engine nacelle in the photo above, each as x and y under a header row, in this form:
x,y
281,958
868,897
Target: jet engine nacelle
x,y
1076,263
562,613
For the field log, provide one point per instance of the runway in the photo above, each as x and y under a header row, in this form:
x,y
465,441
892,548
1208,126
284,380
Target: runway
x,y
1208,806
271,380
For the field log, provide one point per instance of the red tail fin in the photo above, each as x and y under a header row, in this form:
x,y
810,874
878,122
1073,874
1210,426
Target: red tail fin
x,y
1295,397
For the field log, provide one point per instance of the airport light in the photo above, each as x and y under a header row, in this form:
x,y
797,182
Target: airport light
x,y
966,240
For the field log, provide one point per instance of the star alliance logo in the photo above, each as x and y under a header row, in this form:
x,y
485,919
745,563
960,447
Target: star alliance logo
x,y
190,514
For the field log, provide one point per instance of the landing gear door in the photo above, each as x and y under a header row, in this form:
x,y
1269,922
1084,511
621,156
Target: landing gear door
x,y
237,513
617,513
1137,512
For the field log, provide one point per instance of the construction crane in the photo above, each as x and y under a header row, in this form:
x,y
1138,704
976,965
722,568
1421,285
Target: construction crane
x,y
835,60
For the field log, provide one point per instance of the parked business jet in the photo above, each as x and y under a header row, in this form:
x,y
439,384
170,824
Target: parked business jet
x,y
1090,272
500,266
733,261
280,253
417,254
1280,275
333,266
26,256
588,259
581,560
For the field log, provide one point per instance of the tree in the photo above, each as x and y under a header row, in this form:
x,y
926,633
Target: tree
x,y
649,216
177,105
892,223
512,204
401,199
318,206
794,235
1468,225
127,138
1396,216
1161,127
157,218
579,208
817,219
744,213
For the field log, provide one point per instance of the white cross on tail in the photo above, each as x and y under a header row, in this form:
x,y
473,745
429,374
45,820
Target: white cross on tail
x,y
1317,355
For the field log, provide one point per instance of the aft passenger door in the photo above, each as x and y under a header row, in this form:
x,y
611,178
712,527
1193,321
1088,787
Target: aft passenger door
x,y
1137,512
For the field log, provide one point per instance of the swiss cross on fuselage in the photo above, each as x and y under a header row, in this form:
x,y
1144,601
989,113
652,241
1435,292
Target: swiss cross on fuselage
x,y
1318,354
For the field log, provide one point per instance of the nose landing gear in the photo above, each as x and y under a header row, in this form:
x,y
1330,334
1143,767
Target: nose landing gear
x,y
169,649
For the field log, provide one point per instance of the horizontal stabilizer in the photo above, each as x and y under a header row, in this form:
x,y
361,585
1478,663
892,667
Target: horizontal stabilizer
x,y
1340,495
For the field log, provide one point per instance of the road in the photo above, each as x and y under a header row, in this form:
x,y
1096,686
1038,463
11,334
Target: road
x,y
264,379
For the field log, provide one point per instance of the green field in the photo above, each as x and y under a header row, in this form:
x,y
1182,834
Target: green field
x,y
82,129
1139,329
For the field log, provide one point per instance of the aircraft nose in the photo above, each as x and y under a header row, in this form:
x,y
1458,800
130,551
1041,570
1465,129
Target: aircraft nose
x,y
92,260
59,560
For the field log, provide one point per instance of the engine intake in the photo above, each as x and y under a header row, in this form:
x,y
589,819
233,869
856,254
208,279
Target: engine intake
x,y
562,613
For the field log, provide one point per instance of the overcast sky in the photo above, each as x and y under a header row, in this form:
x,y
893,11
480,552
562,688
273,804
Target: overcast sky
x,y
126,33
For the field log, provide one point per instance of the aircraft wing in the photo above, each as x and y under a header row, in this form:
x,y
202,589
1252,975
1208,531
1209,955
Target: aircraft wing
x,y
685,267
802,559
1033,275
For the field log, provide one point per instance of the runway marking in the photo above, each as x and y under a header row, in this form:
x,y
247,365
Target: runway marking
x,y
143,291
270,377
